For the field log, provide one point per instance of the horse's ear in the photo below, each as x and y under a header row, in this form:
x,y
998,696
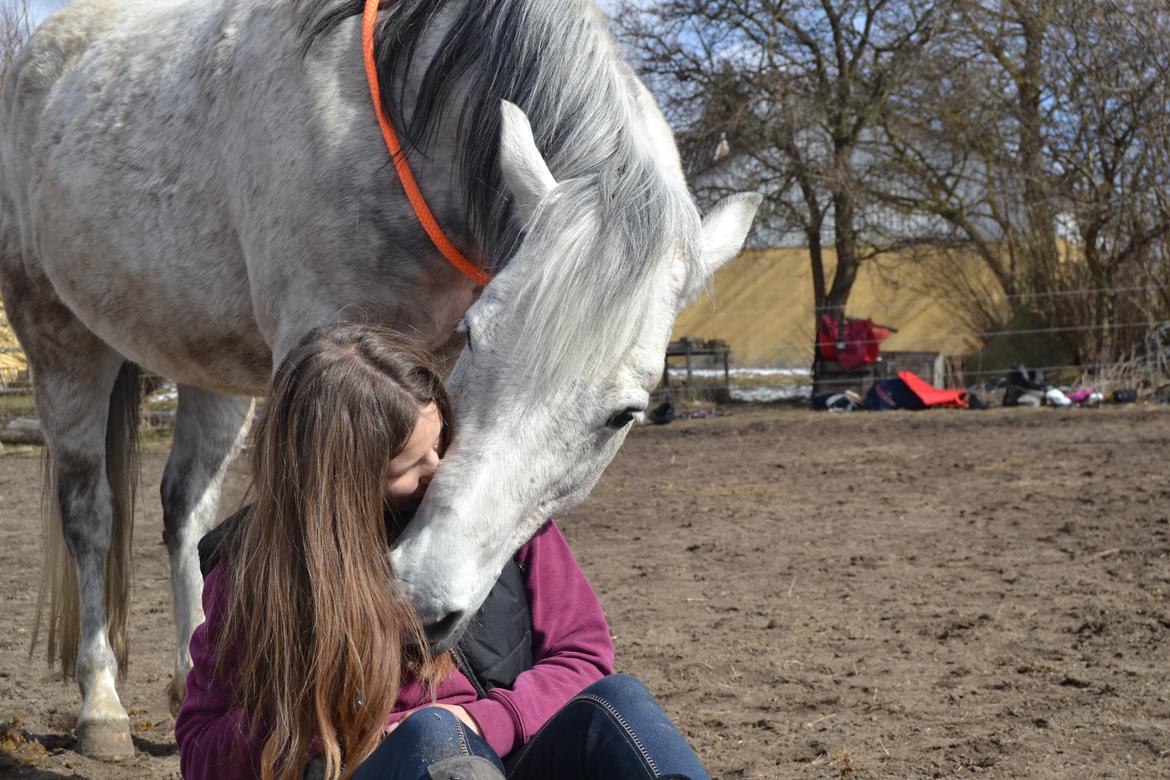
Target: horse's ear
x,y
725,228
524,169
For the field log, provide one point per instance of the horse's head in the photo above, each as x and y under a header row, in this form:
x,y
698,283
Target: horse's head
x,y
563,349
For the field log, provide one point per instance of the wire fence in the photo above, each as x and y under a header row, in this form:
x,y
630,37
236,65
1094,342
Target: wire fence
x,y
1079,292
1129,352
801,345
986,335
790,358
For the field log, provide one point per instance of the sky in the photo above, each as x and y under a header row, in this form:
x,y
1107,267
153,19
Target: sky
x,y
41,8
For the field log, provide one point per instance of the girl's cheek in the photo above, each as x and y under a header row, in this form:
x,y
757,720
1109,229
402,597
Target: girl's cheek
x,y
395,488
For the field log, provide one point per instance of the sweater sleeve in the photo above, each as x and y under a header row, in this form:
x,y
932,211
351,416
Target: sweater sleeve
x,y
212,732
572,647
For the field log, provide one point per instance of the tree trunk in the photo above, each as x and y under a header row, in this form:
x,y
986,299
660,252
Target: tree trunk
x,y
816,256
845,240
1106,336
1040,237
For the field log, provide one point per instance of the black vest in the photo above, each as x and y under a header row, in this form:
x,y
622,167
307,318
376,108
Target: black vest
x,y
497,645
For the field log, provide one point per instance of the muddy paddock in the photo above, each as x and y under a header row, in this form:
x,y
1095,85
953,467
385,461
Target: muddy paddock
x,y
873,595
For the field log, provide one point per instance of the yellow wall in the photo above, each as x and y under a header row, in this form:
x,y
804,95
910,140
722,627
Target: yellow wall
x,y
9,361
762,306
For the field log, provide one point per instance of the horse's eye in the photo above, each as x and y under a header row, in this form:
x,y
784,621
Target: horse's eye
x,y
623,418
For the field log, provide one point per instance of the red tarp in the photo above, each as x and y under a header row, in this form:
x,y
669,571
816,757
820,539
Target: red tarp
x,y
862,341
931,395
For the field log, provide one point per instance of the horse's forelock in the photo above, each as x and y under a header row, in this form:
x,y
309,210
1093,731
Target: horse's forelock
x,y
589,285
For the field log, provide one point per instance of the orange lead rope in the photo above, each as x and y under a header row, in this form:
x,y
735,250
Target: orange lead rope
x,y
405,174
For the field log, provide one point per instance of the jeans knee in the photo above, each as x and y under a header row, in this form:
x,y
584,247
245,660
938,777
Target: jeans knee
x,y
428,724
619,689
425,738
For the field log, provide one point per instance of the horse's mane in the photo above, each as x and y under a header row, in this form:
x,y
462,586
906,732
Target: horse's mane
x,y
555,60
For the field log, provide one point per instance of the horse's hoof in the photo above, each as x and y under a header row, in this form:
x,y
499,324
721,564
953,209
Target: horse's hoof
x,y
105,740
176,692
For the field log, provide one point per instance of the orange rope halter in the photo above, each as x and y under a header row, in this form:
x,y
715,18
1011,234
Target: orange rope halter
x,y
405,174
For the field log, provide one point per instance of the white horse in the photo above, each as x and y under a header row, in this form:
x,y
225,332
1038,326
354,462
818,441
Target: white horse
x,y
191,185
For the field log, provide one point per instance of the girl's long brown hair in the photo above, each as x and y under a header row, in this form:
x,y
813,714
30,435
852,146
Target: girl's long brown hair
x,y
319,631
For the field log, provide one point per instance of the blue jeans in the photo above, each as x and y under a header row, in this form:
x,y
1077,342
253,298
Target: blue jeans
x,y
612,729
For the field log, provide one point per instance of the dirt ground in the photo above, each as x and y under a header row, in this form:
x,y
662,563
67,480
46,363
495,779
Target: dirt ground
x,y
900,595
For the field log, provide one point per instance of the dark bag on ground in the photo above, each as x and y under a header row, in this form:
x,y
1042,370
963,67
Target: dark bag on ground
x,y
663,413
1021,381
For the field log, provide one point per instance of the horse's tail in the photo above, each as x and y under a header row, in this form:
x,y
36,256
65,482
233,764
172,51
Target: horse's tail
x,y
122,471
59,579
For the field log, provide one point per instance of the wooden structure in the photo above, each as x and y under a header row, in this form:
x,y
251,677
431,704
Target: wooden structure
x,y
931,366
690,348
831,377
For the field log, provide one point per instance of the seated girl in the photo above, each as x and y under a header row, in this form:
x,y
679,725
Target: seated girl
x,y
312,664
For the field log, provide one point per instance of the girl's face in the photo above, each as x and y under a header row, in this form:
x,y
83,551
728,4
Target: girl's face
x,y
410,472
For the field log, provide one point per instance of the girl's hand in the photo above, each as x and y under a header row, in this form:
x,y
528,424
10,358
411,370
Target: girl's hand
x,y
454,709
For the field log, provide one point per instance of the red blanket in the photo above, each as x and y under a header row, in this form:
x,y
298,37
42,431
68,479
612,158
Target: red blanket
x,y
932,396
862,340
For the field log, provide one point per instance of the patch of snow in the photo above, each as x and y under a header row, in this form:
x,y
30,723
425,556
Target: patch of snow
x,y
167,392
741,372
767,394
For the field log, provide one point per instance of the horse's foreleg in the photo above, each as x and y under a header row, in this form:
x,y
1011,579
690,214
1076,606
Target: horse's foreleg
x,y
208,431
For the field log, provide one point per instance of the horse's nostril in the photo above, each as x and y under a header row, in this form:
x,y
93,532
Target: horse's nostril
x,y
440,633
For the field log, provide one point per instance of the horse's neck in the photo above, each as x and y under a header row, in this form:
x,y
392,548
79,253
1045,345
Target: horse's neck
x,y
305,126
437,167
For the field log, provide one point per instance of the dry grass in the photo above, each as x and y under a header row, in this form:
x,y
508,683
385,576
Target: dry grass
x,y
1138,371
845,763
18,405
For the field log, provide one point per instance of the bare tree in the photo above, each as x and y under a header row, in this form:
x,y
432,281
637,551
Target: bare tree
x,y
16,26
966,138
1035,137
1110,150
793,87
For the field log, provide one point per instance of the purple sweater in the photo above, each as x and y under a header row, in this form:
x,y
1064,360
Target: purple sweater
x,y
571,649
